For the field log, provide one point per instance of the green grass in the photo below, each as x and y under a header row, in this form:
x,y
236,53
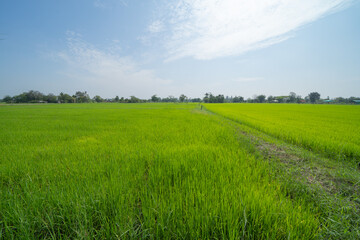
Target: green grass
x,y
136,171
331,185
332,130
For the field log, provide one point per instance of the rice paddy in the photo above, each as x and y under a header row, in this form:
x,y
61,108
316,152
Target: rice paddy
x,y
333,130
158,171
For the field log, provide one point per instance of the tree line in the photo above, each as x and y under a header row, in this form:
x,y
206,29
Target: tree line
x,y
83,97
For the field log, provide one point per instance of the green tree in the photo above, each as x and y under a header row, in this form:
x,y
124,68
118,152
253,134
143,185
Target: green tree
x,y
7,99
196,100
182,98
169,99
220,98
155,98
314,96
81,97
270,99
292,97
261,98
134,99
50,98
98,99
65,98
237,99
34,96
30,96
206,99
298,99
21,98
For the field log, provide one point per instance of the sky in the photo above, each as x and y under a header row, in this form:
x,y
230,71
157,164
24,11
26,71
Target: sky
x,y
171,47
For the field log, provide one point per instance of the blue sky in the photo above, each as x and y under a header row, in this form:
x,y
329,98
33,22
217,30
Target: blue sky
x,y
146,47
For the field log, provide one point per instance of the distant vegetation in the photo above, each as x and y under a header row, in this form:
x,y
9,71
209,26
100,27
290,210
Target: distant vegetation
x,y
83,97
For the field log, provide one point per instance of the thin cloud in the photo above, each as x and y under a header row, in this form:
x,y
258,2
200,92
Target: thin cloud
x,y
105,68
208,29
156,26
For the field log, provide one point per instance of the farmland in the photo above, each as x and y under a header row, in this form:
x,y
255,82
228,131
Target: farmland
x,y
331,130
175,171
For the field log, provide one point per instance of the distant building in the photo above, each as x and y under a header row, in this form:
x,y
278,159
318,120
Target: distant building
x,y
356,101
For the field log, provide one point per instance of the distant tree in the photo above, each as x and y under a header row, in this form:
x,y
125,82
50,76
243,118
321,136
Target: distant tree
x,y
98,99
155,98
314,96
196,100
340,100
81,97
237,99
29,97
169,99
255,99
292,97
206,98
65,98
134,99
34,96
261,98
281,99
270,99
351,99
7,99
220,98
182,98
117,99
299,99
210,98
50,98
228,99
18,98
21,98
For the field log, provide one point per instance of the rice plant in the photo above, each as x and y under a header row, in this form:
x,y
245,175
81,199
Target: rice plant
x,y
332,130
137,171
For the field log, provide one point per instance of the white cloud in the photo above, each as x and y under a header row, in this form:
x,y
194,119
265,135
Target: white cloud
x,y
156,26
106,68
207,29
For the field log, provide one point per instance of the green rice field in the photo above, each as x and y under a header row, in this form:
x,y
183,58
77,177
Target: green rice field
x,y
173,171
333,130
